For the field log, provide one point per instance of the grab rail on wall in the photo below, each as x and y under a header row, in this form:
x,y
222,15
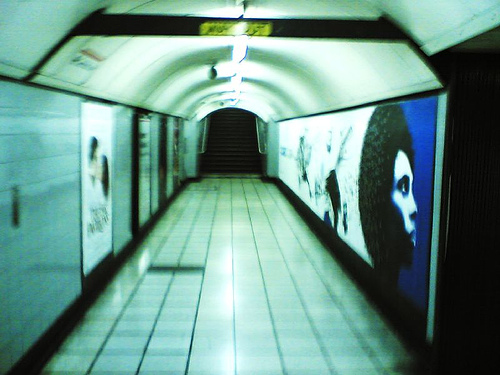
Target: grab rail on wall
x,y
261,127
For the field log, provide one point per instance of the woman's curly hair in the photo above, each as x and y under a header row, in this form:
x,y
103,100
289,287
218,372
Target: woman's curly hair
x,y
387,133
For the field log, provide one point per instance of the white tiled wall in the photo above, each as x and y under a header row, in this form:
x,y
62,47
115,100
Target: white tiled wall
x,y
39,258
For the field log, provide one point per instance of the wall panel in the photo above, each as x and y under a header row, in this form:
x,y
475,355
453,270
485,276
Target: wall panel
x,y
192,133
272,156
122,178
182,150
40,241
155,138
144,169
170,156
468,324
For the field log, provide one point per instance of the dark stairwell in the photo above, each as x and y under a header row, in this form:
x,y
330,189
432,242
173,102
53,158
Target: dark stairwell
x,y
232,146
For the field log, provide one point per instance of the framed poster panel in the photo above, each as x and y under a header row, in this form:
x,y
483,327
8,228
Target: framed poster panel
x,y
155,161
162,162
176,152
144,169
369,175
97,158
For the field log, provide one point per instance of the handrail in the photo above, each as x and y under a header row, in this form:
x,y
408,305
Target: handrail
x,y
204,136
261,133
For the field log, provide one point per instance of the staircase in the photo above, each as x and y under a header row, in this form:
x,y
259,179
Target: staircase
x,y
232,146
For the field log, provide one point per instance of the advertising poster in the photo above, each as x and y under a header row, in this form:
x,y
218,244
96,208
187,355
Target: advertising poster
x,y
97,124
176,145
162,162
368,174
144,169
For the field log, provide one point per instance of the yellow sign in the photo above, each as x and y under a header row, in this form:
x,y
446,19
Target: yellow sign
x,y
233,28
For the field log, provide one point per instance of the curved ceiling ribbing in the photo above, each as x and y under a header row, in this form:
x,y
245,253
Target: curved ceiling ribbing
x,y
258,109
285,77
257,92
282,76
161,72
158,73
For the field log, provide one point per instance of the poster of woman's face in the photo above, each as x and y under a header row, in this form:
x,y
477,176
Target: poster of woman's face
x,y
97,122
98,169
368,174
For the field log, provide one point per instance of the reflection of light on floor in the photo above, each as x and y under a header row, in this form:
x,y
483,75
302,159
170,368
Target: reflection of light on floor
x,y
229,293
118,295
144,262
228,262
229,358
229,297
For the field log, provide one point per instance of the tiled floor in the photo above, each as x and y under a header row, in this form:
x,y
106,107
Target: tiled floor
x,y
231,281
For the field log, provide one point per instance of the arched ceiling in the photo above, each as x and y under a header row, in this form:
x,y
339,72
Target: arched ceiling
x,y
145,53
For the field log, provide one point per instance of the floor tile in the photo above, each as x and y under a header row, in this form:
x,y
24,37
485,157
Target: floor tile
x,y
259,364
69,362
164,363
305,363
125,364
211,363
267,294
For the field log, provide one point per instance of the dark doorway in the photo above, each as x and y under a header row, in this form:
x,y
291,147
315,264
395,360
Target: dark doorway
x,y
232,146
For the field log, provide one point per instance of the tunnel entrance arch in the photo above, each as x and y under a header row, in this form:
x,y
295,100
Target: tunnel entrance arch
x,y
232,146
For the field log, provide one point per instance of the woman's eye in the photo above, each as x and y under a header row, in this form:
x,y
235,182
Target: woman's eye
x,y
404,185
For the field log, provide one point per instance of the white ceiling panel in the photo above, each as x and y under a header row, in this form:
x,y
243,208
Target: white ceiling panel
x,y
342,9
212,8
321,9
436,25
295,76
257,95
169,73
264,111
30,29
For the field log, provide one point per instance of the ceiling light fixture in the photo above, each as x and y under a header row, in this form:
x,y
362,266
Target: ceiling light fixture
x,y
240,51
242,4
240,48
231,68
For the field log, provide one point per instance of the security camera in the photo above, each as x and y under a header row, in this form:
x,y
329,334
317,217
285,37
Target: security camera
x,y
212,73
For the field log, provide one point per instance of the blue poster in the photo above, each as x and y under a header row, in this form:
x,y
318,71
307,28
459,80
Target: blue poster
x,y
421,117
368,173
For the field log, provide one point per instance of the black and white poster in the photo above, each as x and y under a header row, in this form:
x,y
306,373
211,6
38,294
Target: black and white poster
x,y
97,124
